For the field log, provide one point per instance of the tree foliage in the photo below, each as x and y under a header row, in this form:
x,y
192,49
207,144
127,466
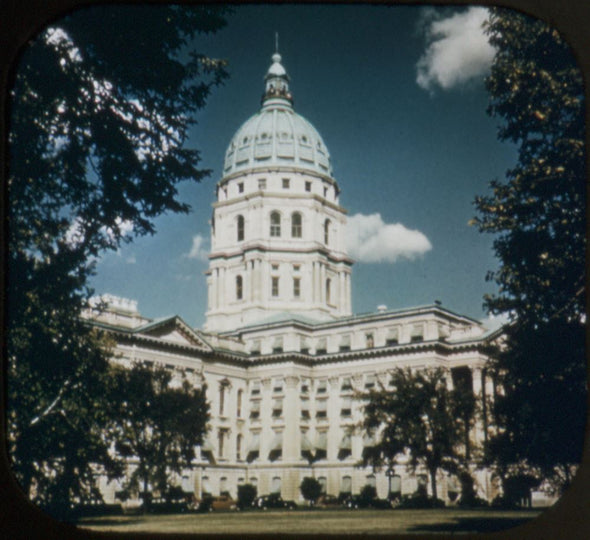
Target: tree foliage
x,y
100,110
311,489
417,415
538,213
538,217
158,417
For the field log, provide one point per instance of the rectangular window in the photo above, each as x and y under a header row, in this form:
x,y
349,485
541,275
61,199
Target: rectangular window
x,y
275,286
346,385
296,287
221,400
286,183
322,387
221,434
346,407
277,385
275,266
370,381
277,408
255,409
255,388
304,386
305,409
296,267
241,187
307,186
325,192
262,183
321,410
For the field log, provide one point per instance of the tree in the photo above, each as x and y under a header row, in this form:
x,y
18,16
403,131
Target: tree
x,y
538,219
100,110
417,416
158,418
246,495
311,489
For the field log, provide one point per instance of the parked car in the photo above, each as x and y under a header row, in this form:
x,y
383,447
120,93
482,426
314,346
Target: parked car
x,y
356,501
210,504
274,500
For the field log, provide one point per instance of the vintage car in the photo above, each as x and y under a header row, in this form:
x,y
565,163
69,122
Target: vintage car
x,y
210,504
274,500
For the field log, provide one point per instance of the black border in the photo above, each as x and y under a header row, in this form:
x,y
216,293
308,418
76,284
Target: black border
x,y
19,519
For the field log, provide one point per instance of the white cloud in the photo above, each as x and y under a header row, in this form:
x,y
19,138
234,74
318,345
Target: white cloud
x,y
493,322
197,250
458,51
369,239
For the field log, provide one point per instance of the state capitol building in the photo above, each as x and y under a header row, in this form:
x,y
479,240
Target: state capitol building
x,y
281,354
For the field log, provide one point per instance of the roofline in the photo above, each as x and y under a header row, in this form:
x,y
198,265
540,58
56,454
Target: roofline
x,y
276,168
345,321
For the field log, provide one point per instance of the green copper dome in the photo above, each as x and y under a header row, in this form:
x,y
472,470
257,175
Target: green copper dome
x,y
277,136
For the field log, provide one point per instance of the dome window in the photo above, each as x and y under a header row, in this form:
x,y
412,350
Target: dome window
x,y
275,224
326,231
239,288
240,224
296,225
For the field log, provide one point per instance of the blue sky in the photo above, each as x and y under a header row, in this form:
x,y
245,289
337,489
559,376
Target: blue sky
x,y
397,94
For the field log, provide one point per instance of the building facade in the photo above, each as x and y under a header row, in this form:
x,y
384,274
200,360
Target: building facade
x,y
282,355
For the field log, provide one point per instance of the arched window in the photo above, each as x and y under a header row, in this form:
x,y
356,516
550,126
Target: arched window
x,y
275,224
328,283
223,486
275,486
346,484
296,228
239,403
326,231
239,287
240,228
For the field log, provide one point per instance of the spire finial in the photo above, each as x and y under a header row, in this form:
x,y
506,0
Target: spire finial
x,y
276,42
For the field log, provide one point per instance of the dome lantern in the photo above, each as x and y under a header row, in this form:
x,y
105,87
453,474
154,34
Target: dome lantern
x,y
276,83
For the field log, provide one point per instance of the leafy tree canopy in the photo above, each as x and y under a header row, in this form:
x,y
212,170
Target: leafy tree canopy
x,y
538,217
158,418
538,213
311,489
100,109
417,415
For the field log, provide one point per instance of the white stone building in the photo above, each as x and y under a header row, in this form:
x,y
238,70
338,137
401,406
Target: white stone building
x,y
281,353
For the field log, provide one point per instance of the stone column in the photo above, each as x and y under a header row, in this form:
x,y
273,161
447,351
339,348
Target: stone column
x,y
291,434
333,419
478,431
266,433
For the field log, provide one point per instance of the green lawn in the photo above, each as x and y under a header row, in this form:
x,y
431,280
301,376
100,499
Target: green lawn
x,y
318,521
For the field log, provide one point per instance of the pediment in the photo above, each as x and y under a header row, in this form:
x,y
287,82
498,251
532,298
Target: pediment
x,y
174,330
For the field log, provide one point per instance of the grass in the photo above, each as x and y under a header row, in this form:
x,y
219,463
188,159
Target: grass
x,y
319,521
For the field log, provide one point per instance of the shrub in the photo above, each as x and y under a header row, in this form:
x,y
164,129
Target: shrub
x,y
367,494
246,495
311,489
420,500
